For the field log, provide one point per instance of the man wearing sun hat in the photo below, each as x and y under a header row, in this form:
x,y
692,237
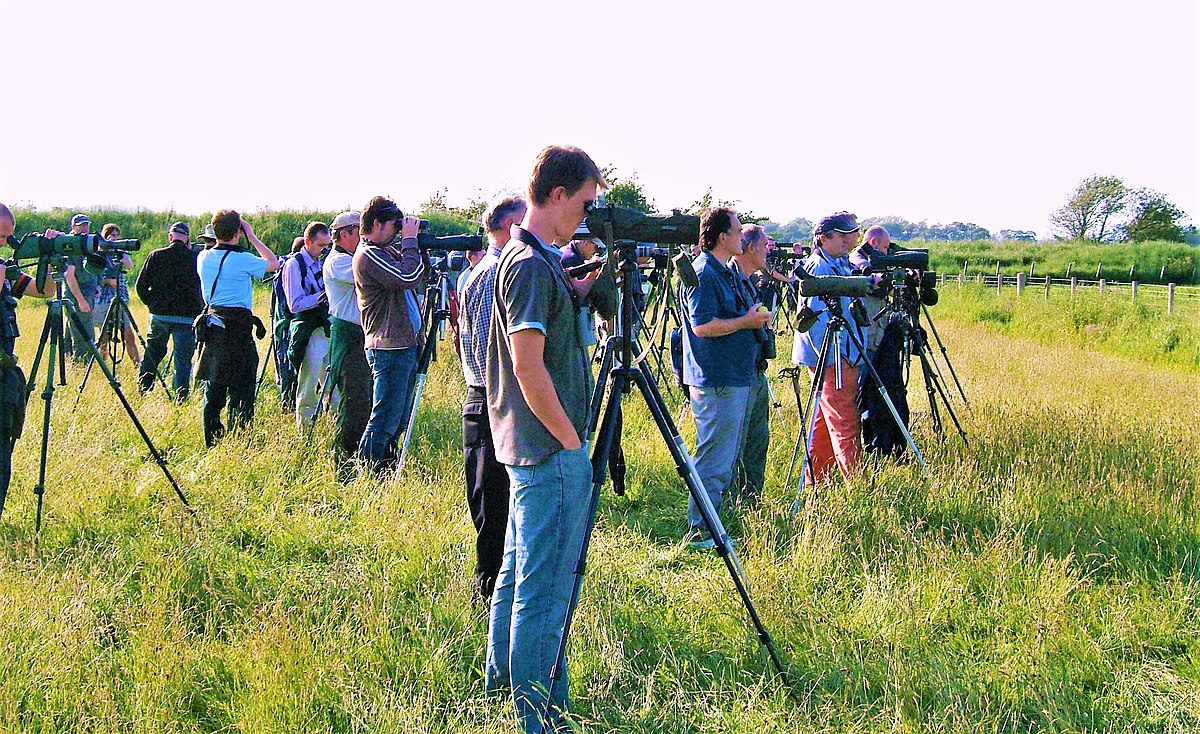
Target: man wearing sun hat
x,y
836,433
349,371
170,287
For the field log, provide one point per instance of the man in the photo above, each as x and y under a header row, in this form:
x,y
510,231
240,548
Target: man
x,y
169,285
751,265
719,355
538,386
348,368
386,278
885,345
113,289
13,285
308,343
487,479
836,435
83,282
229,360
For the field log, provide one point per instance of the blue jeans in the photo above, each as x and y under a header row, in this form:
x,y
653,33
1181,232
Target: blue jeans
x,y
393,372
547,517
719,413
156,348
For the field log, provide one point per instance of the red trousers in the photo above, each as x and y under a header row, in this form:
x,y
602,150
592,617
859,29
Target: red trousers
x,y
837,434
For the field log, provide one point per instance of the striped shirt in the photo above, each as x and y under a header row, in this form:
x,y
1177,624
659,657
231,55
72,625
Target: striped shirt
x,y
476,298
386,279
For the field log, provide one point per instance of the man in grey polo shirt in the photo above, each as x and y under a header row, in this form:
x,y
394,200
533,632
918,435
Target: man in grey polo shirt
x,y
348,368
719,356
538,385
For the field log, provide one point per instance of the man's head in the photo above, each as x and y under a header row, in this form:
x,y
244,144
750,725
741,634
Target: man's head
x,y
227,226
837,234
208,236
381,220
297,245
754,248
501,215
179,232
564,184
80,224
345,229
878,238
317,238
721,232
8,223
111,232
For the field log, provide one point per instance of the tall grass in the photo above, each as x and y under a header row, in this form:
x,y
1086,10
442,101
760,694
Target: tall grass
x,y
1046,579
1081,259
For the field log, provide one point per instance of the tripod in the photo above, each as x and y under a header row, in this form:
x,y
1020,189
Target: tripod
x,y
50,344
437,310
111,333
831,350
622,374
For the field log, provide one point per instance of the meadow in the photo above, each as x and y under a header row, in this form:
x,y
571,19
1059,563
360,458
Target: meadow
x,y
1046,579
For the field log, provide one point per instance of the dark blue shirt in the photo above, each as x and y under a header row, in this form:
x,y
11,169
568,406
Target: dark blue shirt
x,y
719,361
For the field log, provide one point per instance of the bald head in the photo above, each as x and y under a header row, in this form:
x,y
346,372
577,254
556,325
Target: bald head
x,y
878,238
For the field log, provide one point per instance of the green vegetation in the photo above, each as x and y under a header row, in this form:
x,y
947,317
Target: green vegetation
x,y
1047,579
1181,261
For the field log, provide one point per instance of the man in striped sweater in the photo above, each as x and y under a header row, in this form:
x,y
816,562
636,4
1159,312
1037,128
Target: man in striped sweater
x,y
386,278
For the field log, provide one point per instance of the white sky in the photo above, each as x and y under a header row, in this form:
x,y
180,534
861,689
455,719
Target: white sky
x,y
986,112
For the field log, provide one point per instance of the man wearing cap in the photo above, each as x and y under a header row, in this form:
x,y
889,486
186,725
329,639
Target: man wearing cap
x,y
83,281
348,368
836,438
308,343
170,287
113,289
720,352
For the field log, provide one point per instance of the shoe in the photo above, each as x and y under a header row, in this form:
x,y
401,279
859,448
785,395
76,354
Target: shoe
x,y
700,539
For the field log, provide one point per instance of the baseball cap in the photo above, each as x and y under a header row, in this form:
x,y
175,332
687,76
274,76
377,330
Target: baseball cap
x,y
80,219
181,228
346,219
840,222
209,235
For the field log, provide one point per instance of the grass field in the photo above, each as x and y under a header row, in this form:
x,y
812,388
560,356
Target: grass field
x,y
1047,579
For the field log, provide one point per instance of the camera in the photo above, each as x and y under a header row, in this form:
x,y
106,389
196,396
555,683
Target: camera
x,y
622,223
837,286
427,240
34,246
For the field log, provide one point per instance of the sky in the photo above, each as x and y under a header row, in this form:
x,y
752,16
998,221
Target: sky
x,y
984,112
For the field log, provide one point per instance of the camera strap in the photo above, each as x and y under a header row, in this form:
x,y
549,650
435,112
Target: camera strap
x,y
531,241
213,289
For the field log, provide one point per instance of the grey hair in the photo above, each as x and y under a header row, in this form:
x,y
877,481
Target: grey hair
x,y
753,234
500,209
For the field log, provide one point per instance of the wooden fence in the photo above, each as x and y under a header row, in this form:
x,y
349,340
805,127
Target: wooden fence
x,y
1170,298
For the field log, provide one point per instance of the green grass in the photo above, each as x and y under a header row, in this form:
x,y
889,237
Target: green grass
x,y
1081,258
1046,579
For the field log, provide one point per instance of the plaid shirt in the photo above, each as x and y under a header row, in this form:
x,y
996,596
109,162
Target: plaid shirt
x,y
476,299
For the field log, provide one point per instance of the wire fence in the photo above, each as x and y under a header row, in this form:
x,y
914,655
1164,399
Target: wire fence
x,y
1170,298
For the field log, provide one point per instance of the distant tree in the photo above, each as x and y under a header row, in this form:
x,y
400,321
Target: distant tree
x,y
957,232
709,200
1091,211
627,192
1017,235
436,204
1154,218
797,230
899,228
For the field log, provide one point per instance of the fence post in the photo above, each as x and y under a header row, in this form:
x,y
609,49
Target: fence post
x,y
1170,298
1134,285
1132,270
1070,265
1099,270
1020,283
1074,284
1047,287
1102,286
1031,265
1162,274
979,278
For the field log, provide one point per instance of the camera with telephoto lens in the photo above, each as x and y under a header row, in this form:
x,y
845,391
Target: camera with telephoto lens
x,y
906,271
34,246
637,234
428,241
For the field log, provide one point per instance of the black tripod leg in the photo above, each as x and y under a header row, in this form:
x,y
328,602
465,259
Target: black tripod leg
x,y
945,355
598,390
423,362
941,391
814,409
687,469
54,332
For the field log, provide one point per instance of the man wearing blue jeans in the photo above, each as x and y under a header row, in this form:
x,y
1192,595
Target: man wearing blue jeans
x,y
170,287
538,385
719,355
386,277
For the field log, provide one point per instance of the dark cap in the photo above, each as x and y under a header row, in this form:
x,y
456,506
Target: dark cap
x,y
79,219
840,222
181,228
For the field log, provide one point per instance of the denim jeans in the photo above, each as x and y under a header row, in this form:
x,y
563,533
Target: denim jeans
x,y
756,438
156,349
719,413
547,517
393,372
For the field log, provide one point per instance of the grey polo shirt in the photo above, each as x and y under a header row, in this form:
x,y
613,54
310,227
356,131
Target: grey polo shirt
x,y
532,293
